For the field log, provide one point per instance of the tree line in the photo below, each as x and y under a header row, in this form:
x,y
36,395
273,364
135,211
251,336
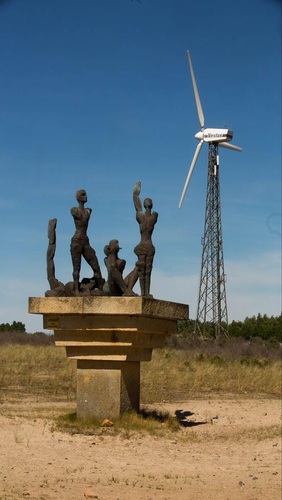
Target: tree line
x,y
266,327
16,326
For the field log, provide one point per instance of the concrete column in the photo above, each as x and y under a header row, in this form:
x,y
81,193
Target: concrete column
x,y
105,389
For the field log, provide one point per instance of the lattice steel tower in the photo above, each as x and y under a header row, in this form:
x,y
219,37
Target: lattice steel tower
x,y
212,318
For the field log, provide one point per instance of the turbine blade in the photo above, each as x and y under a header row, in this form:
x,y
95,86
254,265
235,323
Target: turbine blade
x,y
196,93
229,146
196,154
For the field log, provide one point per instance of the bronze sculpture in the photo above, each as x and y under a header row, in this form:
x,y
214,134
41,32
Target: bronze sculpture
x,y
57,289
80,245
115,285
145,250
51,253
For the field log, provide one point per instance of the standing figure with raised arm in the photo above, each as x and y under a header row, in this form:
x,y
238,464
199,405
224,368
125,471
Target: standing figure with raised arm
x,y
80,245
145,251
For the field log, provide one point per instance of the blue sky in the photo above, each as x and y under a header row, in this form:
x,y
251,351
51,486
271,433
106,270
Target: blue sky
x,y
96,94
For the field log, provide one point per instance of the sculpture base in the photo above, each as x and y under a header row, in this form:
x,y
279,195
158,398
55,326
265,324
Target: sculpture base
x,y
109,337
106,389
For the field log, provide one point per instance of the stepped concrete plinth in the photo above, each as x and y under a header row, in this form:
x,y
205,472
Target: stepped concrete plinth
x,y
108,337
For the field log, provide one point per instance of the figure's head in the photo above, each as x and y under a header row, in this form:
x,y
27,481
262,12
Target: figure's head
x,y
114,245
81,195
148,203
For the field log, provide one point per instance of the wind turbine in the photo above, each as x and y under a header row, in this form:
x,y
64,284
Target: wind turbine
x,y
211,319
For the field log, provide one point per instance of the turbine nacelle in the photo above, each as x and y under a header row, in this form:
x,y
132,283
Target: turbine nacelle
x,y
220,136
215,135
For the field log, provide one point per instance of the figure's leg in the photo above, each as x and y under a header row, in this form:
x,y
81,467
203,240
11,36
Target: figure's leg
x,y
141,272
148,272
90,256
76,252
131,278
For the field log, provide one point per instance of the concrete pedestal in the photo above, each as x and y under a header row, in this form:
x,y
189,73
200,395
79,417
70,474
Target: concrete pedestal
x,y
109,337
107,388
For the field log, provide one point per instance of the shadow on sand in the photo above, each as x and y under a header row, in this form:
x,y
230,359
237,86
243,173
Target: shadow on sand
x,y
182,417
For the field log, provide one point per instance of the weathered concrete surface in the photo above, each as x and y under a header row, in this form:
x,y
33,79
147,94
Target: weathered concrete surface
x,y
65,338
108,305
105,390
110,322
109,353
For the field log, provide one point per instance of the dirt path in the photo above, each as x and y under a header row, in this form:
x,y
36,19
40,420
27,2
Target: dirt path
x,y
225,450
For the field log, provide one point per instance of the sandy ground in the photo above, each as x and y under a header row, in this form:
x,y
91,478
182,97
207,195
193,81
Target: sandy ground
x,y
225,450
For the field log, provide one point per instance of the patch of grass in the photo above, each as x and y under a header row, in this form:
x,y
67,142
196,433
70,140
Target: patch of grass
x,y
151,422
247,360
154,422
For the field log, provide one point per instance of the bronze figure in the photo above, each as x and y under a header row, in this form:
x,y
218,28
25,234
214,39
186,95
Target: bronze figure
x,y
115,285
145,250
80,245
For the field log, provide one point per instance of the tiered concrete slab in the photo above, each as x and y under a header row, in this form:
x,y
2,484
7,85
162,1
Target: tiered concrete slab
x,y
109,337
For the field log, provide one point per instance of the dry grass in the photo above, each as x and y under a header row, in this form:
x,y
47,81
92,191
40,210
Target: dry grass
x,y
176,375
36,370
171,375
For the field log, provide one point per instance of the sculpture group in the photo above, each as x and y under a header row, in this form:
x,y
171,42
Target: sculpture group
x,y
115,284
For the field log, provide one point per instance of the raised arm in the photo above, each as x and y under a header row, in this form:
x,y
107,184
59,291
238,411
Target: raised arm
x,y
136,200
